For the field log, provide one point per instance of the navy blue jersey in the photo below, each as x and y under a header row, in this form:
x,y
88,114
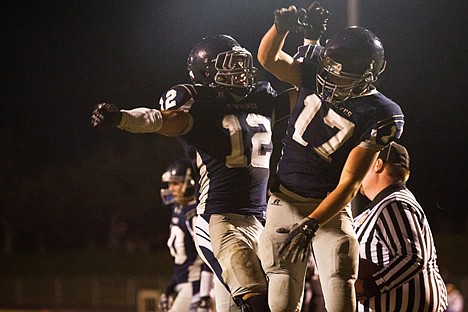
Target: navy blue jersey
x,y
320,135
187,263
230,145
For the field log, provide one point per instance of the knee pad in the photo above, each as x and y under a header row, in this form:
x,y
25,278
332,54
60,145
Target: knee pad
x,y
243,272
285,292
255,303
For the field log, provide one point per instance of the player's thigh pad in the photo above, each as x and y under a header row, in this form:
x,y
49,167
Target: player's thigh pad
x,y
234,239
337,250
282,212
286,279
336,245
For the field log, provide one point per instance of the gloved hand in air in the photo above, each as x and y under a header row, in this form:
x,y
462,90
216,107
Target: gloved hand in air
x,y
106,114
314,23
288,19
297,244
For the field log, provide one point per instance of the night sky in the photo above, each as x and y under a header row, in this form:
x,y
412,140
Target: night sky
x,y
60,58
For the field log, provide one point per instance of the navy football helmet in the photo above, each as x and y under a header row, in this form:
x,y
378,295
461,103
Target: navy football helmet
x,y
349,64
178,172
220,62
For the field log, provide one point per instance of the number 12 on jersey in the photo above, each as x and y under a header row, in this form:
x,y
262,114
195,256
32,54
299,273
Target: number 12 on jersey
x,y
261,127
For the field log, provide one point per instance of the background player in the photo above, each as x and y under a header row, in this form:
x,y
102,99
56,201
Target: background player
x,y
223,121
183,293
336,129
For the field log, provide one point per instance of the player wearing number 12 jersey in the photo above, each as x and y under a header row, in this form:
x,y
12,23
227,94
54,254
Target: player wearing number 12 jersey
x,y
230,141
336,129
224,122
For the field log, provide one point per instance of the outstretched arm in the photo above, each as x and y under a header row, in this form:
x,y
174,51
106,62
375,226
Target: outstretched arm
x,y
142,120
300,235
146,120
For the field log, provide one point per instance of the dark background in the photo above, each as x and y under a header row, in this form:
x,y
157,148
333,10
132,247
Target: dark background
x,y
67,186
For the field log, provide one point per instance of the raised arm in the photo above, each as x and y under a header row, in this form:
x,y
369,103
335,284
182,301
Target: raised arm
x,y
270,54
311,23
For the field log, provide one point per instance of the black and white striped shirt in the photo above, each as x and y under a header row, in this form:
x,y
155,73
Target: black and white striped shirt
x,y
394,234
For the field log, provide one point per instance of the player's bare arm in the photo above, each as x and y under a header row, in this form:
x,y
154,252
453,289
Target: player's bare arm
x,y
275,60
359,161
311,23
297,244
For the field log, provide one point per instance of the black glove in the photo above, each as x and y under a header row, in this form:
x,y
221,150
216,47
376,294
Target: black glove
x,y
205,304
288,19
314,23
298,242
164,302
106,114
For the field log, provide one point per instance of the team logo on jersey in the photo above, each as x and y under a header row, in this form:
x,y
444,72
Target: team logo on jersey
x,y
242,106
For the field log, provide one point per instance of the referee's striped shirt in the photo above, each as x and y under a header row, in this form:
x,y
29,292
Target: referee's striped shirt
x,y
394,234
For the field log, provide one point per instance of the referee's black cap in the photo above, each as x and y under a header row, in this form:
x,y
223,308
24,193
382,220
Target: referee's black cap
x,y
396,154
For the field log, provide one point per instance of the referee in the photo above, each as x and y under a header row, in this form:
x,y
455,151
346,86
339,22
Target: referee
x,y
398,269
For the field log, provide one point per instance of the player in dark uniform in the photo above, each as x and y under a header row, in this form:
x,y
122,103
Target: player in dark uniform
x,y
223,121
336,129
188,273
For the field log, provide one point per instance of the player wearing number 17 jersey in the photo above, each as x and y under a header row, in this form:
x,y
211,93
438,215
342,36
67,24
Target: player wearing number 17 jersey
x,y
336,129
224,122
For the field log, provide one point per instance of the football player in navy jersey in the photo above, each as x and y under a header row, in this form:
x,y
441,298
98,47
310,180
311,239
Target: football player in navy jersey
x,y
189,272
224,122
337,127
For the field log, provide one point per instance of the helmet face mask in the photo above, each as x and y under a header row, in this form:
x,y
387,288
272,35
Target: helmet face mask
x,y
235,69
220,62
349,64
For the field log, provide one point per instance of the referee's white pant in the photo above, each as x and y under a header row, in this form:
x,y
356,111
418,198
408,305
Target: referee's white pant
x,y
336,252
